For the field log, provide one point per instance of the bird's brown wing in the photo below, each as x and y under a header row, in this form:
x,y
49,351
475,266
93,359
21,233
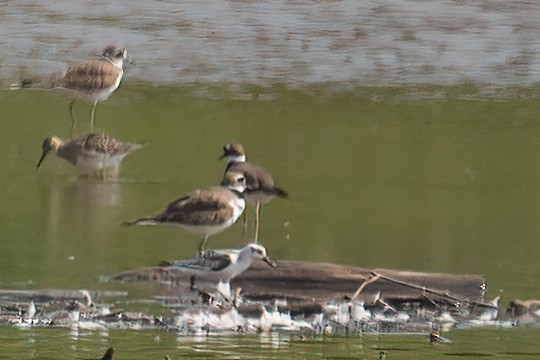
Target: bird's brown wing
x,y
88,76
257,178
199,207
104,143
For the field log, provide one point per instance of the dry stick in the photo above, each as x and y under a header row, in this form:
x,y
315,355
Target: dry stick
x,y
375,276
386,304
430,300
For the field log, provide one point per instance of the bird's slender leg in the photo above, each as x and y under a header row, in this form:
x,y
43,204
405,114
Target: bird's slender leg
x,y
73,122
101,171
244,224
92,114
201,247
257,218
225,296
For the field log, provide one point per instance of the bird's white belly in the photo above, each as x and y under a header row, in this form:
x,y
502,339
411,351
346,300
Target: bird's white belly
x,y
107,92
238,207
97,162
211,229
203,230
103,94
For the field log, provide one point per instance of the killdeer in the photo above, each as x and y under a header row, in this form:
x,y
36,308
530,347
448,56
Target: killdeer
x,y
223,265
95,79
95,154
204,212
260,187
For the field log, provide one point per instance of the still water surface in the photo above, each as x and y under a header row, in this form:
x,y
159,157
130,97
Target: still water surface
x,y
63,344
376,180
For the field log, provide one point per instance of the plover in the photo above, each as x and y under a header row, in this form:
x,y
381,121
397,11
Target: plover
x,y
95,154
95,79
260,188
204,212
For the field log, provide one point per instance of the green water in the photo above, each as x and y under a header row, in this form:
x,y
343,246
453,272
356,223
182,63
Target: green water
x,y
375,180
65,344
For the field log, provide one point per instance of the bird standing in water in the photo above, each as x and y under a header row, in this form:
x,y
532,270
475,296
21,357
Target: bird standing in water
x,y
95,80
260,188
204,212
96,154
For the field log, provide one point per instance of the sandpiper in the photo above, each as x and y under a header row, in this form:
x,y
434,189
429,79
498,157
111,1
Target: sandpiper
x,y
95,79
223,265
95,154
204,212
259,182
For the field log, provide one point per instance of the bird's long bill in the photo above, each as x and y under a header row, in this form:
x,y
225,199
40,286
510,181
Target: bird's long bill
x,y
42,157
269,262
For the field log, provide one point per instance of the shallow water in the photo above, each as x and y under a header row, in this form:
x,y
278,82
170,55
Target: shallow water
x,y
64,344
388,180
376,180
401,175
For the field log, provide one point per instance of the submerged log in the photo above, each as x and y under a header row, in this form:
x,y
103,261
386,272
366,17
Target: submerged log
x,y
304,297
303,280
321,282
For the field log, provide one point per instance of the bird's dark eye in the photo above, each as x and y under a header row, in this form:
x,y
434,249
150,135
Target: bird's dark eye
x,y
47,143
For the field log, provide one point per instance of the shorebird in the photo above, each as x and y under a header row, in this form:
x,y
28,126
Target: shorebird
x,y
96,154
260,187
223,265
203,212
95,79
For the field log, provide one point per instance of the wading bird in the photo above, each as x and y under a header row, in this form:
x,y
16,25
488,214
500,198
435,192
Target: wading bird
x,y
260,188
204,212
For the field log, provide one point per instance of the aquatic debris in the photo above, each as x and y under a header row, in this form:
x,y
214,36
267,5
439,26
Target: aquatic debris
x,y
304,298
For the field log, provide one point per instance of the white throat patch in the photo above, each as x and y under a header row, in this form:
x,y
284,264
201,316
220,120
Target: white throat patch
x,y
236,158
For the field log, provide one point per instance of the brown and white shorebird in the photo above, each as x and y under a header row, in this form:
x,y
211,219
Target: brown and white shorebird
x,y
260,188
95,80
95,154
204,212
